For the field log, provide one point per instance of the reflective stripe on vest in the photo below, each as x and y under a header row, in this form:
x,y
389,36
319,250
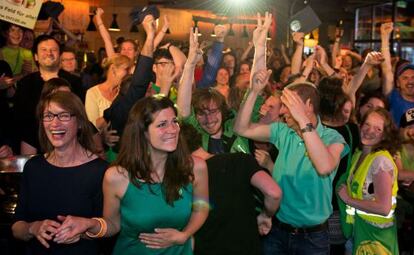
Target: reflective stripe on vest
x,y
355,186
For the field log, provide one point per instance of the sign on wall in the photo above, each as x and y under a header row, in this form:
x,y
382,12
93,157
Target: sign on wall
x,y
20,12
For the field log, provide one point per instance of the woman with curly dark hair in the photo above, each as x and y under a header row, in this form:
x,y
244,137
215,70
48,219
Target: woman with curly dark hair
x,y
155,194
371,186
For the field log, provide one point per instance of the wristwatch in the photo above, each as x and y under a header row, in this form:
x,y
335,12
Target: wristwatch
x,y
308,128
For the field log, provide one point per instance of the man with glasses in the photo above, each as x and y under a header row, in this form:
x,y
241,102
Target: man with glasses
x,y
166,71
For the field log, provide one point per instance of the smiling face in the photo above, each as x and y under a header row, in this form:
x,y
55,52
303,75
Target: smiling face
x,y
61,133
406,83
68,61
372,130
47,54
14,35
222,77
128,49
210,119
163,132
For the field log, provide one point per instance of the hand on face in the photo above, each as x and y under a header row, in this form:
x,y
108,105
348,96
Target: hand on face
x,y
295,105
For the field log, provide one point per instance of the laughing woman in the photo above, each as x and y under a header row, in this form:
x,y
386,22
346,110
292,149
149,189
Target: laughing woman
x,y
371,188
156,193
67,179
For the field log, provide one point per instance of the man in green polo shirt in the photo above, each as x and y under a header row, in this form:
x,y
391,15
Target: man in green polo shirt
x,y
309,154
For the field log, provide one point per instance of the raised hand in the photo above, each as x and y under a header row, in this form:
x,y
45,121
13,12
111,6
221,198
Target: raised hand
x,y
260,33
260,80
149,25
99,12
374,58
163,238
386,29
220,32
194,52
298,38
321,56
44,230
166,24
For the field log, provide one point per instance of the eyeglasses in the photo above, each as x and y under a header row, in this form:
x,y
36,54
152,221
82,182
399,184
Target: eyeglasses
x,y
207,112
164,63
62,116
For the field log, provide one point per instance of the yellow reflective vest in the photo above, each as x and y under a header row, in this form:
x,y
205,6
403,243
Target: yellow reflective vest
x,y
355,185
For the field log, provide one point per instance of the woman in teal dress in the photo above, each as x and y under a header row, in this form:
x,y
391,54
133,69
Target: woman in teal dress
x,y
155,194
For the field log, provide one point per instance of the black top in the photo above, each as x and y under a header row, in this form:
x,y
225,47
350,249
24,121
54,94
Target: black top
x,y
5,112
47,191
27,97
231,226
343,164
118,112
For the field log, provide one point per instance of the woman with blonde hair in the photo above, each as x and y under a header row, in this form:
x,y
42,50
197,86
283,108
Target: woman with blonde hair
x,y
100,97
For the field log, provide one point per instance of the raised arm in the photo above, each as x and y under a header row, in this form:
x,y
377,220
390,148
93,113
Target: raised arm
x,y
117,113
213,59
373,58
186,83
106,37
297,55
284,54
309,65
160,35
322,58
246,52
259,41
243,125
335,47
386,67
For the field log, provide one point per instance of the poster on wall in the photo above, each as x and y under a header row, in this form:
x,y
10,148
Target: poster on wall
x,y
20,12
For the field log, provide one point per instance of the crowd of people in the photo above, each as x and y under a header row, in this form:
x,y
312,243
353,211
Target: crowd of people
x,y
184,148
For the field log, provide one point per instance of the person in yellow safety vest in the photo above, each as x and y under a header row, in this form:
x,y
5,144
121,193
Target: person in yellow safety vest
x,y
371,187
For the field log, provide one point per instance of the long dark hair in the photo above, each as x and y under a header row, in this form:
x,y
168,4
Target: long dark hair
x,y
391,141
71,103
134,151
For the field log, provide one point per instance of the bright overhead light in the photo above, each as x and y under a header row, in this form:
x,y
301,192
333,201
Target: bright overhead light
x,y
237,2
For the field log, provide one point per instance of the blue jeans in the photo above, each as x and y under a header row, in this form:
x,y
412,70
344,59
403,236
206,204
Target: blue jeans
x,y
280,242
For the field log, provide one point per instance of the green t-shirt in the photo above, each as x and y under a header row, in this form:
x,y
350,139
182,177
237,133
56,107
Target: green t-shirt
x,y
307,196
15,57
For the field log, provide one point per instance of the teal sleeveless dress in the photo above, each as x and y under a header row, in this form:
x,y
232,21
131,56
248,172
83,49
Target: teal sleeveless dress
x,y
144,209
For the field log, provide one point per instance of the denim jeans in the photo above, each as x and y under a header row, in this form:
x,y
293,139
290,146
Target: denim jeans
x,y
280,242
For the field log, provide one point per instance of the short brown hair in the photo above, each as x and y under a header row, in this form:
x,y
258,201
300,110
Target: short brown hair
x,y
307,90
